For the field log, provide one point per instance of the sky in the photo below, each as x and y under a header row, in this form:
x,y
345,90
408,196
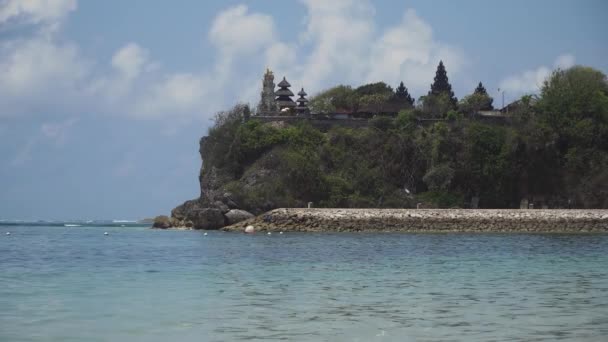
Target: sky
x,y
102,103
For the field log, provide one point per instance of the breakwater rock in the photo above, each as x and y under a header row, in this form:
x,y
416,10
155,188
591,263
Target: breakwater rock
x,y
195,214
427,220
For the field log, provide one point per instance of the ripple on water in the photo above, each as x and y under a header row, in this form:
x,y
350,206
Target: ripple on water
x,y
158,286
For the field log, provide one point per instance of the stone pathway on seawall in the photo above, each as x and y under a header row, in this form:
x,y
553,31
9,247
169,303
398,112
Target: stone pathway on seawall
x,y
429,220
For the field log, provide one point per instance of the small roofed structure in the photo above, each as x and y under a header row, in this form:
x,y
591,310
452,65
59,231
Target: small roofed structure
x,y
284,95
302,107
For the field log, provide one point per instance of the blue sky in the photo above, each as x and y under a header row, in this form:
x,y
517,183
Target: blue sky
x,y
102,103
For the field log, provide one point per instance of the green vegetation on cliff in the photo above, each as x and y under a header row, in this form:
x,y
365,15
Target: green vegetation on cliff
x,y
555,148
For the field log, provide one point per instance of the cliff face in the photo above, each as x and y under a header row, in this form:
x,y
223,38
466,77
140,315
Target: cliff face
x,y
219,184
217,205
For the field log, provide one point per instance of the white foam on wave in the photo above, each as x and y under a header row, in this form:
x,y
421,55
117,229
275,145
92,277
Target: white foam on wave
x,y
72,225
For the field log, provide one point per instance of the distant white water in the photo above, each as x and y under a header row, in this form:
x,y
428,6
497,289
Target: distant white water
x,y
73,223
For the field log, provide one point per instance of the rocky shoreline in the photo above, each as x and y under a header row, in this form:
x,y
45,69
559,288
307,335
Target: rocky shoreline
x,y
195,214
428,220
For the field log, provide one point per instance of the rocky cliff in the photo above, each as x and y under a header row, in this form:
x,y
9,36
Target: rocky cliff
x,y
251,166
217,205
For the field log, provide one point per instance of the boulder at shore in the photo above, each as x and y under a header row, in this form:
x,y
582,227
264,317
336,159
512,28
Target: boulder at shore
x,y
207,218
237,215
162,222
193,216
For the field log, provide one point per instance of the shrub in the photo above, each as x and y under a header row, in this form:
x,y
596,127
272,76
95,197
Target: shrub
x,y
382,123
441,199
406,119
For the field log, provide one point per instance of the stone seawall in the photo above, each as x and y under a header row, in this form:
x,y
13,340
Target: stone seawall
x,y
428,220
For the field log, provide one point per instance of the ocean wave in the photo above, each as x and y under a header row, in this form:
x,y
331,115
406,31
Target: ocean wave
x,y
72,224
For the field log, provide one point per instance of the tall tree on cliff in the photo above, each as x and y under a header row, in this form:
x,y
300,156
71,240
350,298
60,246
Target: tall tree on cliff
x,y
402,94
479,100
481,90
442,85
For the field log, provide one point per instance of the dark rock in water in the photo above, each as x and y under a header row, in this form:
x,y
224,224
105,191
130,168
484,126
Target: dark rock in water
x,y
162,222
208,218
192,214
237,215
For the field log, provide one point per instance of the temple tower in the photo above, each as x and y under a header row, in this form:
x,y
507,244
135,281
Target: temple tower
x,y
267,102
302,108
284,95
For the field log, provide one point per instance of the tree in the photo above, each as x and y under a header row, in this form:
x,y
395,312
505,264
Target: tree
x,y
218,143
439,177
406,120
488,163
475,102
330,100
574,94
487,103
378,88
480,89
573,108
373,103
402,94
436,106
441,85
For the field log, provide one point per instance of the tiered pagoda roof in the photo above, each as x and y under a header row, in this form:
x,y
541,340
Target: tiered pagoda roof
x,y
284,95
302,107
284,83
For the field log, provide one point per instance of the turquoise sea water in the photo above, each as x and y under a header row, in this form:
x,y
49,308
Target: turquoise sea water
x,y
75,284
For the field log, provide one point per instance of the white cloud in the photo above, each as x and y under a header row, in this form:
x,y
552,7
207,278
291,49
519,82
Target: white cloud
x,y
37,63
564,62
128,64
407,52
179,94
340,32
35,11
39,72
339,42
130,60
531,81
235,31
346,47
